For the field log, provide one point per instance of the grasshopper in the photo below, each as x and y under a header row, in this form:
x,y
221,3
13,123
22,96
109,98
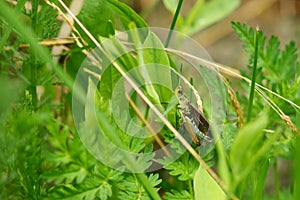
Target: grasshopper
x,y
193,119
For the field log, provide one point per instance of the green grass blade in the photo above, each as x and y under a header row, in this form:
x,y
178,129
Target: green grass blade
x,y
296,166
253,75
174,22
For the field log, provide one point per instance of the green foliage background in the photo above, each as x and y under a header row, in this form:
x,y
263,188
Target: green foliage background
x,y
42,156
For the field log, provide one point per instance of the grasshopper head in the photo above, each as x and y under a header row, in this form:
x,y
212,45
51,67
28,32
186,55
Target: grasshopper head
x,y
179,90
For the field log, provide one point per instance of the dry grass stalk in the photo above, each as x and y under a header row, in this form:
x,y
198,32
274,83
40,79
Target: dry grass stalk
x,y
152,131
236,105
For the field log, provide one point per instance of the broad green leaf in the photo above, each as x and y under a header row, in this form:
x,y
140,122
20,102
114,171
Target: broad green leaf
x,y
109,79
90,119
98,16
157,63
95,15
126,14
116,52
170,5
223,167
142,67
202,14
207,14
246,147
154,50
205,187
99,134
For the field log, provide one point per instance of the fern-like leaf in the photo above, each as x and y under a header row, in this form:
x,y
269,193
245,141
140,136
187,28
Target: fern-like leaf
x,y
281,65
182,195
185,168
134,190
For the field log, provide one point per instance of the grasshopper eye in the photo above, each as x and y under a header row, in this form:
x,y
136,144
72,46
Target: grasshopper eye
x,y
180,91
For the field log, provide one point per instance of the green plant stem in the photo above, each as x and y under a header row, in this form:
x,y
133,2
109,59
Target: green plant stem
x,y
256,39
191,187
260,179
33,80
34,58
276,179
173,22
296,166
34,16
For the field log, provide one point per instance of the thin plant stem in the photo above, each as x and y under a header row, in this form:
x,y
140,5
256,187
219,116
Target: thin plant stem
x,y
34,58
173,22
157,139
256,39
191,187
276,180
296,174
33,80
261,178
